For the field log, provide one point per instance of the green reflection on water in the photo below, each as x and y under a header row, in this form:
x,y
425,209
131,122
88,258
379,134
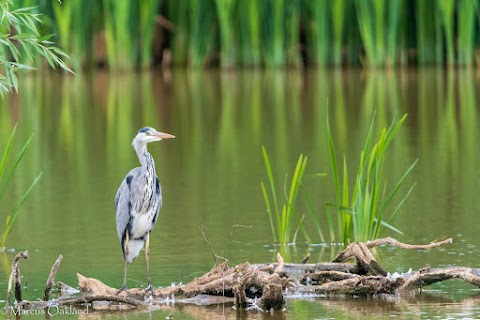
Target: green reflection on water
x,y
210,173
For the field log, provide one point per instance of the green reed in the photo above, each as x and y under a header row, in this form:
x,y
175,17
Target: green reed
x,y
179,15
466,26
249,24
445,10
203,32
274,13
282,220
292,40
379,28
120,35
147,11
338,9
68,22
317,32
225,11
362,211
6,173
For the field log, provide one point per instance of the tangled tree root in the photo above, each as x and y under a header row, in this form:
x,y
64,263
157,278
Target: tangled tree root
x,y
265,286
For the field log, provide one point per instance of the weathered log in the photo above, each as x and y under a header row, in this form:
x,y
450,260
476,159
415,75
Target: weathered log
x,y
353,285
242,283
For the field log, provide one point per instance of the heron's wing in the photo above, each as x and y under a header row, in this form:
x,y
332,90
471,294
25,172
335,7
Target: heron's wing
x,y
123,202
158,192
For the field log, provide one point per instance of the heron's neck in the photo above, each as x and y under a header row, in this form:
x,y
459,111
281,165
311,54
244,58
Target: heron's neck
x,y
146,159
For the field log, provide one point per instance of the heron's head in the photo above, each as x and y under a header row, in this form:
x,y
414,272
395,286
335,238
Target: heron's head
x,y
148,134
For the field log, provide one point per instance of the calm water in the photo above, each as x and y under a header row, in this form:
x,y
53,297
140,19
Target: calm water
x,y
211,175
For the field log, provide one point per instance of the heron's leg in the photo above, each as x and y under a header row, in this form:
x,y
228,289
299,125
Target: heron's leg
x,y
149,288
125,249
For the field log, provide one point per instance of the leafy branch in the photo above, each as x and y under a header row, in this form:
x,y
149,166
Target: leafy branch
x,y
21,43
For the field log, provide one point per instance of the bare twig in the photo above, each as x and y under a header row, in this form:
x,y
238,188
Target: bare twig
x,y
203,230
305,259
51,278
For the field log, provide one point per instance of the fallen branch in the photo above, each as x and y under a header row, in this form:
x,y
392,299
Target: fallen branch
x,y
394,242
429,276
349,252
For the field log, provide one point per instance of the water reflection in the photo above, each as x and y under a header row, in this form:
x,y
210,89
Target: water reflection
x,y
210,174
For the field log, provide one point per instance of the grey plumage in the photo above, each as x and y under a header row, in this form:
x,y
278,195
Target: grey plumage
x,y
138,201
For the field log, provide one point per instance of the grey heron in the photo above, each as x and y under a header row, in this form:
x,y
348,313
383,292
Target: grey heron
x,y
137,202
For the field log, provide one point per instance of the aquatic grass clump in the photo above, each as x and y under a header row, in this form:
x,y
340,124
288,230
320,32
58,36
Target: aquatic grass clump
x,y
282,221
362,212
5,178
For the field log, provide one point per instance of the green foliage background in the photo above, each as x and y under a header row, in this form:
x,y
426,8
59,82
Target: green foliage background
x,y
264,33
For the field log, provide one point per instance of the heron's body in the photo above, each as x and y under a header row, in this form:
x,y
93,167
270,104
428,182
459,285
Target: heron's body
x,y
142,207
138,201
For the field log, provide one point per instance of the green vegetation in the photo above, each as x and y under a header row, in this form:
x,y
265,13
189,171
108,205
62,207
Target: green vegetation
x,y
362,212
21,42
6,173
269,33
362,215
281,222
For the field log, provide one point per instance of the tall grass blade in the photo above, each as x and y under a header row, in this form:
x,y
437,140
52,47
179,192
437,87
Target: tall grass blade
x,y
272,183
400,204
285,219
400,182
333,159
11,218
6,153
269,211
17,160
311,211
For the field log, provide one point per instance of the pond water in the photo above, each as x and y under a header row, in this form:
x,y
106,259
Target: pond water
x,y
211,175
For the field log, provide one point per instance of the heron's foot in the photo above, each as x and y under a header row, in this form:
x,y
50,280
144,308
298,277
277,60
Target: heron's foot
x,y
124,288
149,293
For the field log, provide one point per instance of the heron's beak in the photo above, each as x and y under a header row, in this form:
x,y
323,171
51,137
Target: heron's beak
x,y
164,135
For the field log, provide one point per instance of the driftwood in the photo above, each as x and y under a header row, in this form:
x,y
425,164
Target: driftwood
x,y
266,286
